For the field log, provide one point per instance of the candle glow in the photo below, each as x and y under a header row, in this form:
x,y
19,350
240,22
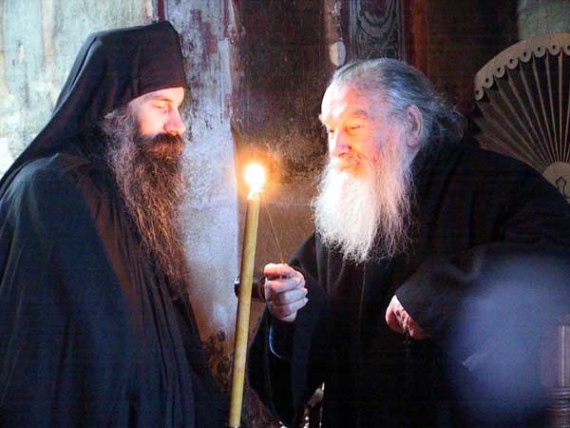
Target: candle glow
x,y
255,178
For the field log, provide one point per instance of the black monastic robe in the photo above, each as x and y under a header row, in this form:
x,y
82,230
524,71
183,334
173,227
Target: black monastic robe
x,y
472,280
90,333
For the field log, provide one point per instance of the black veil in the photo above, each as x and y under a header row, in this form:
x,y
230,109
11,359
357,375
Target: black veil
x,y
112,68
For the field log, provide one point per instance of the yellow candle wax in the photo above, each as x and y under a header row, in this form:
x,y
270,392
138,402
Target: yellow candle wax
x,y
256,179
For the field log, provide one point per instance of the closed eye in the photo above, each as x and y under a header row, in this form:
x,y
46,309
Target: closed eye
x,y
162,106
353,127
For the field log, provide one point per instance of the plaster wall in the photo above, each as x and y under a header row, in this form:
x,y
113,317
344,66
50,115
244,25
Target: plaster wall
x,y
207,28
38,43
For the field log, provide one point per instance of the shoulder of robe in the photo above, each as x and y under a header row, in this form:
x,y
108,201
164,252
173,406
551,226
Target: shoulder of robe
x,y
51,191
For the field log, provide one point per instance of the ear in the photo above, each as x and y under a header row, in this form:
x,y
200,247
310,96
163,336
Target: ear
x,y
415,125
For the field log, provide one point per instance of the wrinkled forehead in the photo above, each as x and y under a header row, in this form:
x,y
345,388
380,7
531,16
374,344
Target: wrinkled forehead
x,y
342,99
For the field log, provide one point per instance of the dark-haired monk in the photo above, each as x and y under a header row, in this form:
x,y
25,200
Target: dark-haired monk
x,y
95,324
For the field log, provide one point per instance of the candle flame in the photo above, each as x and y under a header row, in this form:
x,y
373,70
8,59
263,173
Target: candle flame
x,y
255,178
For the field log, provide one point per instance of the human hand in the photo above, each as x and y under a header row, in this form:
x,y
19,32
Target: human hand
x,y
284,291
401,322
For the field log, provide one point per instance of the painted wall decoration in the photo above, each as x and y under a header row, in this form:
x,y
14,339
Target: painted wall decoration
x,y
376,29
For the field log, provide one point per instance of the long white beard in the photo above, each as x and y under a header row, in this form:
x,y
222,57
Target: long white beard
x,y
367,215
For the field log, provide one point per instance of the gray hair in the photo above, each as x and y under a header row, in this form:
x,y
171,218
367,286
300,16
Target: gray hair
x,y
401,86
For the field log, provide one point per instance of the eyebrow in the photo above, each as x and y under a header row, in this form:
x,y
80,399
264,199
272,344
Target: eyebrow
x,y
358,114
157,96
361,114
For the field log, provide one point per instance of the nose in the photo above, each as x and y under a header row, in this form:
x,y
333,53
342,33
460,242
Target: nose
x,y
338,144
175,125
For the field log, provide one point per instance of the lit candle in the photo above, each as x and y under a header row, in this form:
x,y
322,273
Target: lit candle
x,y
255,177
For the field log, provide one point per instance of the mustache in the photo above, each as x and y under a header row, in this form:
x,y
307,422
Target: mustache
x,y
352,160
165,138
164,146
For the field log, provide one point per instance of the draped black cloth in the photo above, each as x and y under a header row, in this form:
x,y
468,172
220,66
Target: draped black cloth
x,y
488,274
91,334
112,68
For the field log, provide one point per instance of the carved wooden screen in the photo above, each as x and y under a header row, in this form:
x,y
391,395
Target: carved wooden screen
x,y
523,105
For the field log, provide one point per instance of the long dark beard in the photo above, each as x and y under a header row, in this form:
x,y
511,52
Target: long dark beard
x,y
151,182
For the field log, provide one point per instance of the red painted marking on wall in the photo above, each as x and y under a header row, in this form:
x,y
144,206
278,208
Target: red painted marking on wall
x,y
160,10
209,39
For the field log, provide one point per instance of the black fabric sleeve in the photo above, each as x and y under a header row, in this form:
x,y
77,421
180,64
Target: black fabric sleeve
x,y
285,384
281,338
513,288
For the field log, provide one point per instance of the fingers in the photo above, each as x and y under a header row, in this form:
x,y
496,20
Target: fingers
x,y
280,278
286,297
286,311
280,270
393,322
284,306
401,322
394,315
274,287
416,332
284,291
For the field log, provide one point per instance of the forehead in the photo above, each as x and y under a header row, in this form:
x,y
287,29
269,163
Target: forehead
x,y
174,95
342,101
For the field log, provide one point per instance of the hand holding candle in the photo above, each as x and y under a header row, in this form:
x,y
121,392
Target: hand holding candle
x,y
284,291
255,177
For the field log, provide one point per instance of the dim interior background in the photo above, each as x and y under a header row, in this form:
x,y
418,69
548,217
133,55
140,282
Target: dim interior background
x,y
257,71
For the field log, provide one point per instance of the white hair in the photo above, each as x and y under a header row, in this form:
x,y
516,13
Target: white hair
x,y
370,215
